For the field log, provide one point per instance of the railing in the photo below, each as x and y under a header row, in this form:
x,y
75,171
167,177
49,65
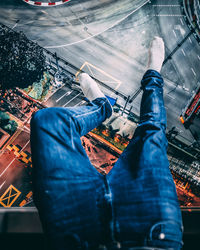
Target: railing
x,y
191,11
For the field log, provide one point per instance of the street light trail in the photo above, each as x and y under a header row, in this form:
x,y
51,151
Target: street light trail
x,y
2,184
14,159
25,145
71,99
66,94
7,167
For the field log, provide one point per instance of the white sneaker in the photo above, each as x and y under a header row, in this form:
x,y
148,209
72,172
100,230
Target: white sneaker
x,y
89,87
156,54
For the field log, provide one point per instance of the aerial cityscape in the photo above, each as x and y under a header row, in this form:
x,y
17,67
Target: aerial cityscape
x,y
46,45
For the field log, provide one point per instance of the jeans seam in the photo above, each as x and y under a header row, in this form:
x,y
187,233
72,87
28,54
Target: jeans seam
x,y
110,201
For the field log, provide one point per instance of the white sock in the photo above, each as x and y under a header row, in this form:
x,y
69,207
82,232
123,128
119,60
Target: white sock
x,y
156,54
89,87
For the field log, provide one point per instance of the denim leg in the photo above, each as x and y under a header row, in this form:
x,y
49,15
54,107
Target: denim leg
x,y
144,199
68,190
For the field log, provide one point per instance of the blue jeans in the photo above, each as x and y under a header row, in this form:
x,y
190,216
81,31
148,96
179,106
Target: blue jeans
x,y
134,206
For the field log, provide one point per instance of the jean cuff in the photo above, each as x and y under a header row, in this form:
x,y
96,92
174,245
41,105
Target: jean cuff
x,y
106,105
152,77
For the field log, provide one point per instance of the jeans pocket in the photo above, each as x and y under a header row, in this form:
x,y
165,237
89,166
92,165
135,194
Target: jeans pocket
x,y
166,234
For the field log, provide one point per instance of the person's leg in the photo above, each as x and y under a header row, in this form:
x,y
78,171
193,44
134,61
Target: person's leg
x,y
67,188
144,199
